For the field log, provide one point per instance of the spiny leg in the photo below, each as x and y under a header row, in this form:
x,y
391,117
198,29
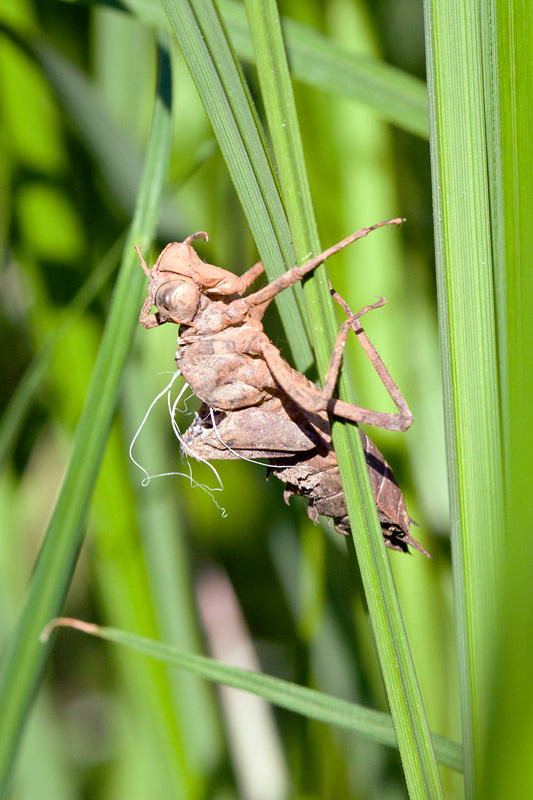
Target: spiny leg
x,y
238,309
314,400
400,421
297,273
338,350
375,359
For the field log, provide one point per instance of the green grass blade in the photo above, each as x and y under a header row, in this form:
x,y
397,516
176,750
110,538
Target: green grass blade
x,y
202,39
373,725
468,345
395,657
26,658
277,95
323,64
507,768
320,62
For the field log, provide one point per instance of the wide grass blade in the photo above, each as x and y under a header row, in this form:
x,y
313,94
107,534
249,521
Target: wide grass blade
x,y
373,725
462,211
508,70
26,658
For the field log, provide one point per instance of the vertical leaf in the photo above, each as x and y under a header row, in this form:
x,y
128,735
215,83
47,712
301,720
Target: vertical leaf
x,y
508,30
460,151
26,657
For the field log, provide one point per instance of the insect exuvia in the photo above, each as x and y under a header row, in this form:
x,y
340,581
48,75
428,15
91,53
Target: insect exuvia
x,y
254,404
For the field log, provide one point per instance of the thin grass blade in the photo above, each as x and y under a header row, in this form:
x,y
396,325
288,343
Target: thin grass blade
x,y
202,39
373,725
26,657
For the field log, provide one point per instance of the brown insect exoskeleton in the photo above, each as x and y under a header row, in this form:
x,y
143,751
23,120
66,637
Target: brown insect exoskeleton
x,y
254,404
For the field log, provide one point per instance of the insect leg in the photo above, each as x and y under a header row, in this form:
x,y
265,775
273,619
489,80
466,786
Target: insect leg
x,y
338,351
312,399
150,320
144,265
375,358
297,273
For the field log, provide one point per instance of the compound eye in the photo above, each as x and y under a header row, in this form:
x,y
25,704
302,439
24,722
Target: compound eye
x,y
179,300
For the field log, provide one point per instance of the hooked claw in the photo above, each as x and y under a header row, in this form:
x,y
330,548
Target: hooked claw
x,y
198,235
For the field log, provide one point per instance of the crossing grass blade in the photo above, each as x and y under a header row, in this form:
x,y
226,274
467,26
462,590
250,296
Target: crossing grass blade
x,y
317,61
373,725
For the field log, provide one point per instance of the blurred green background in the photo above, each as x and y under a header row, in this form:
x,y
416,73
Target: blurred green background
x,y
261,583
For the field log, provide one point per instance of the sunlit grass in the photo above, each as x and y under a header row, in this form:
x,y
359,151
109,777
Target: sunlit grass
x,y
148,548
